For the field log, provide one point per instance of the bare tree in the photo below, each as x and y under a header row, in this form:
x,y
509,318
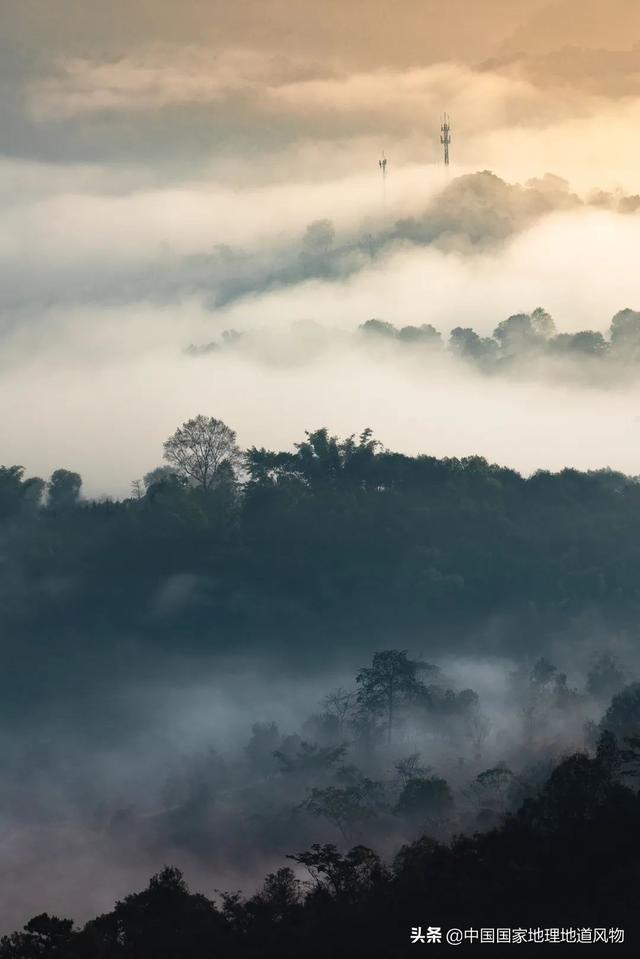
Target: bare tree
x,y
409,768
339,703
203,449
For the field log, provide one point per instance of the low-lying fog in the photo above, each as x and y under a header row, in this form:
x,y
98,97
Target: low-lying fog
x,y
182,769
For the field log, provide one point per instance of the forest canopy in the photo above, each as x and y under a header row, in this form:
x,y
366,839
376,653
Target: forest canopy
x,y
339,537
565,859
520,345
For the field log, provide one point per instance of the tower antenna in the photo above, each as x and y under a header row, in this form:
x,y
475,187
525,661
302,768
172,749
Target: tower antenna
x,y
382,163
445,136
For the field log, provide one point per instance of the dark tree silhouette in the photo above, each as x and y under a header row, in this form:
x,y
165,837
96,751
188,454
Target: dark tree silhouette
x,y
203,450
426,800
346,807
164,921
390,681
43,936
567,859
63,489
622,718
605,678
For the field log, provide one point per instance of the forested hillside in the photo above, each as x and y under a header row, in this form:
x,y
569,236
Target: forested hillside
x,y
340,539
562,870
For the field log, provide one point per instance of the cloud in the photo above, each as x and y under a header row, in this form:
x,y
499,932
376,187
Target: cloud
x,y
202,239
97,313
611,73
192,152
362,32
160,76
588,24
285,85
99,389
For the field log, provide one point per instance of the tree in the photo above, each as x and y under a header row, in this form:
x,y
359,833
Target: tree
x,y
475,724
323,460
63,489
542,323
32,492
425,334
625,334
605,678
622,718
390,681
279,895
346,806
379,328
465,343
261,748
310,759
342,875
545,693
517,334
493,792
163,921
584,343
160,474
409,768
137,489
427,801
339,703
43,936
203,451
319,237
11,489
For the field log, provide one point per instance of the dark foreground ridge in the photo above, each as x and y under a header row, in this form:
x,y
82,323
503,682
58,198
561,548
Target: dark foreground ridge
x,y
568,859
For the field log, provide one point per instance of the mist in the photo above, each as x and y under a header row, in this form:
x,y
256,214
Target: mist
x,y
87,812
402,605
99,388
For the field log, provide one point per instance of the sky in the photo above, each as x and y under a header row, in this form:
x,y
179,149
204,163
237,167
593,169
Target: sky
x,y
160,165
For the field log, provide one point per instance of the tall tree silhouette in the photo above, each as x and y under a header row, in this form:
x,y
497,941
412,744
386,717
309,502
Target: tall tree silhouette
x,y
392,679
202,450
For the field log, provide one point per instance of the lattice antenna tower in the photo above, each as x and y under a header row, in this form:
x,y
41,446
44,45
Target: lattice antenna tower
x,y
445,136
382,163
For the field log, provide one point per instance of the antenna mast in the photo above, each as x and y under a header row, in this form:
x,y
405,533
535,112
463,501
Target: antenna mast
x,y
445,136
383,168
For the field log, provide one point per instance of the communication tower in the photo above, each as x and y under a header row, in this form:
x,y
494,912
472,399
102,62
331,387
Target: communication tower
x,y
445,136
382,163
